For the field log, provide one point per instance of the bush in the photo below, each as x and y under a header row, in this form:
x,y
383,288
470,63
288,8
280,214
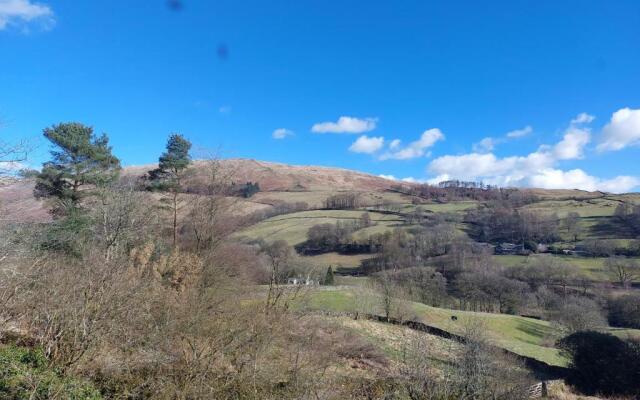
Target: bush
x,y
624,311
602,363
578,314
24,374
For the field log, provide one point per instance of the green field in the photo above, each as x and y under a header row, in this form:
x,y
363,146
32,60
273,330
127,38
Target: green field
x,y
396,340
452,207
590,267
525,336
293,227
316,198
336,260
602,207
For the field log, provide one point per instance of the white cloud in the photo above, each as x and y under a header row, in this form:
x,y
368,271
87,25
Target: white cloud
x,y
408,179
346,125
281,133
366,144
485,145
22,12
622,130
11,167
224,109
414,149
517,133
411,179
395,143
582,118
572,144
578,179
537,169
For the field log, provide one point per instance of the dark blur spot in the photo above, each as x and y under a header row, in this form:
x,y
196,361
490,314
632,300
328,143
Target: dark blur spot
x,y
223,51
600,63
175,5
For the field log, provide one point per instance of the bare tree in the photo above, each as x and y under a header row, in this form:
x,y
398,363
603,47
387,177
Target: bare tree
x,y
622,270
121,219
572,223
12,155
211,217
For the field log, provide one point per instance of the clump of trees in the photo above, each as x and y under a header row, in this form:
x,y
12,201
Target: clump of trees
x,y
629,215
488,290
324,238
245,190
624,311
421,284
603,364
461,190
500,221
402,248
342,201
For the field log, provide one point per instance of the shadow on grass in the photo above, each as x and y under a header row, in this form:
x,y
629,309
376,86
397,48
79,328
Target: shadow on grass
x,y
533,329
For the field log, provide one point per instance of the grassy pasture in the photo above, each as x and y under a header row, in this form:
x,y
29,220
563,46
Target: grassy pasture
x,y
396,340
525,336
293,227
451,207
591,268
336,260
601,207
316,198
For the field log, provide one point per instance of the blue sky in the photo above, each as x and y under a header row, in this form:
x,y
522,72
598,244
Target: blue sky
x,y
525,93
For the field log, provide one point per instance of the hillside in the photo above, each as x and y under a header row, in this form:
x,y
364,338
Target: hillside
x,y
396,254
275,177
278,182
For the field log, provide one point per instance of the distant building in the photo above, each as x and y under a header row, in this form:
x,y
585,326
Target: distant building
x,y
302,281
542,248
510,248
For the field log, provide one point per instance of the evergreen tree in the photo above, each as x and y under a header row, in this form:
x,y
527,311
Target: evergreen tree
x,y
329,278
168,176
80,159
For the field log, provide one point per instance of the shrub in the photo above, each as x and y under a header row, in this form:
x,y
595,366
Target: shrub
x,y
24,374
624,311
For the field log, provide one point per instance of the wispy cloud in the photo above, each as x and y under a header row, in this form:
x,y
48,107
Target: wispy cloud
x,y
281,133
22,13
517,133
583,118
488,144
224,109
346,125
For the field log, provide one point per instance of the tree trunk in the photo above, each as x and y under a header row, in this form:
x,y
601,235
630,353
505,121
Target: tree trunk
x,y
175,217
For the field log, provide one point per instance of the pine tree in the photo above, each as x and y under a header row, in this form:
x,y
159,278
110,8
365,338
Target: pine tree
x,y
329,278
80,160
170,173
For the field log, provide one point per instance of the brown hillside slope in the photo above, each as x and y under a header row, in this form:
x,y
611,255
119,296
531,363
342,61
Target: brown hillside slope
x,y
17,203
283,177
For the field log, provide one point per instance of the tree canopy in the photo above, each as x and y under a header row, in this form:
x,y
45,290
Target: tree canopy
x,y
172,163
79,159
